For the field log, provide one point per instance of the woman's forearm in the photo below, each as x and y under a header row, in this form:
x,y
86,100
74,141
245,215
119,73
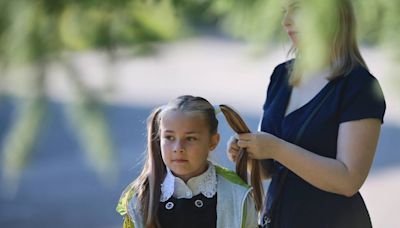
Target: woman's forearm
x,y
345,174
324,173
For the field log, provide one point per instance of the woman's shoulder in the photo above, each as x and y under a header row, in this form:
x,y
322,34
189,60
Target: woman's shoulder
x,y
359,80
359,77
361,96
285,65
277,80
282,68
280,76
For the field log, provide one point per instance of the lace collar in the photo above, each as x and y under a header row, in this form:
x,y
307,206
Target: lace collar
x,y
206,184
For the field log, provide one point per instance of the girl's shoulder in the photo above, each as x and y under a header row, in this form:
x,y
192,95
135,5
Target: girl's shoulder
x,y
127,195
127,207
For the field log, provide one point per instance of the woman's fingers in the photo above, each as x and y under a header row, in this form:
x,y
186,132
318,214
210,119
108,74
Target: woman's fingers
x,y
244,140
233,149
247,141
244,136
233,143
243,143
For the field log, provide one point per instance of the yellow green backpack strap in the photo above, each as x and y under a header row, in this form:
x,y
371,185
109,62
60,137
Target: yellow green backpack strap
x,y
122,207
128,222
230,175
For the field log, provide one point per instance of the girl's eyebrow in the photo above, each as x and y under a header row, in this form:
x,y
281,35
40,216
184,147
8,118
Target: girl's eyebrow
x,y
188,133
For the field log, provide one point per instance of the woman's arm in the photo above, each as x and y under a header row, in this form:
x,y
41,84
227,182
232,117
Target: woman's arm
x,y
357,141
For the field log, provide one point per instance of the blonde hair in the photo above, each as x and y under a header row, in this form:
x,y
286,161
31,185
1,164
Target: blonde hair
x,y
343,52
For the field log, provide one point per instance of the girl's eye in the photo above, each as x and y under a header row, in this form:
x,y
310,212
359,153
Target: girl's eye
x,y
169,137
190,138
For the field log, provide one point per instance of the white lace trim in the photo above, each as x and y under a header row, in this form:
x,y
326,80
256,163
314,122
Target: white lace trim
x,y
167,187
206,184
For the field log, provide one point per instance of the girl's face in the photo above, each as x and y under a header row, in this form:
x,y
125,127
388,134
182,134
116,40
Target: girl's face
x,y
185,142
290,9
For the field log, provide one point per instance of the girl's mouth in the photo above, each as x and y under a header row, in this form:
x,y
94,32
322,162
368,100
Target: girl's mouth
x,y
179,160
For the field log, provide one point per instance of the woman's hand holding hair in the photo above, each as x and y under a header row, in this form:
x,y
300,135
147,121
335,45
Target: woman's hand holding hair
x,y
259,145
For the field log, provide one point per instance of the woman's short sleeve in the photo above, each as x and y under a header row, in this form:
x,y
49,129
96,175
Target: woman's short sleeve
x,y
363,98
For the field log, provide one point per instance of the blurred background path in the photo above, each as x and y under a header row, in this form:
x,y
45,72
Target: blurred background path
x,y
59,189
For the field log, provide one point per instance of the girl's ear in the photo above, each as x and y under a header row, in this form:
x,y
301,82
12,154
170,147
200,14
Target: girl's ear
x,y
214,141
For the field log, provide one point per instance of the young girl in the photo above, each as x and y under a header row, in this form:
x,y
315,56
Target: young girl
x,y
178,186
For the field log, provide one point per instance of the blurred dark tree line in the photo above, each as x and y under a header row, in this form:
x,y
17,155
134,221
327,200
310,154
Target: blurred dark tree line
x,y
34,33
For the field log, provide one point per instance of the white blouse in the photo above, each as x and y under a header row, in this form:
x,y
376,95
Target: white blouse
x,y
205,183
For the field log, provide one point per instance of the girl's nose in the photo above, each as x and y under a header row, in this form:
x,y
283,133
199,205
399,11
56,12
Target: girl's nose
x,y
179,147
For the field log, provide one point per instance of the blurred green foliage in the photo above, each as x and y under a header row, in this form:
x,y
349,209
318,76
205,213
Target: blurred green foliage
x,y
32,29
36,32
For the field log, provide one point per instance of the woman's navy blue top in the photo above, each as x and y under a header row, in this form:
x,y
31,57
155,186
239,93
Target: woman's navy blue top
x,y
355,96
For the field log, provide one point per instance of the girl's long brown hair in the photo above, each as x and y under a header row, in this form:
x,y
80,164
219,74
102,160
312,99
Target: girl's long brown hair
x,y
239,126
147,186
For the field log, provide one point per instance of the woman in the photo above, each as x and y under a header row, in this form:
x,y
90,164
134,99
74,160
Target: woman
x,y
320,128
